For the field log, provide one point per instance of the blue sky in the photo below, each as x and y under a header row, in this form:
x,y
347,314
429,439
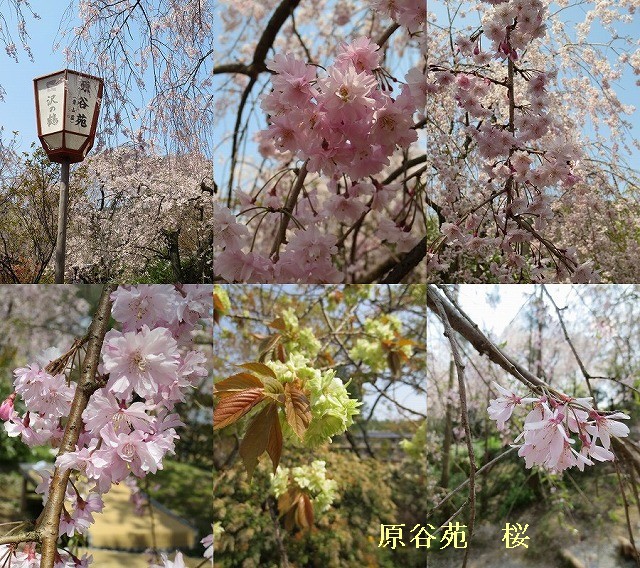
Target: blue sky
x,y
17,112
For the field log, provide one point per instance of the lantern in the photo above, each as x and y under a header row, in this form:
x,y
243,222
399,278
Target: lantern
x,y
67,107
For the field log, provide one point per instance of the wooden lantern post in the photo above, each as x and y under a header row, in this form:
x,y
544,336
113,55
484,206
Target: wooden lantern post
x,y
67,109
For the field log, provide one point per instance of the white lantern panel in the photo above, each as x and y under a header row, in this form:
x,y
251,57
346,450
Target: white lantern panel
x,y
51,102
53,141
74,141
82,95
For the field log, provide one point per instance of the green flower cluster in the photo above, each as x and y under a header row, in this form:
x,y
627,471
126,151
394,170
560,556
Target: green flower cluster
x,y
222,295
311,478
417,446
369,349
217,530
332,410
299,338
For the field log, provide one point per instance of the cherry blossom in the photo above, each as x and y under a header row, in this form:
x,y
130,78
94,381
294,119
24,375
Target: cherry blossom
x,y
128,426
551,424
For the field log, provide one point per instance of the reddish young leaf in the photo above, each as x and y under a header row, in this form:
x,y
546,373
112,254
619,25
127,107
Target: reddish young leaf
x,y
288,500
281,353
297,409
217,304
218,308
259,369
394,363
235,384
278,324
233,407
267,344
256,439
290,519
304,512
274,443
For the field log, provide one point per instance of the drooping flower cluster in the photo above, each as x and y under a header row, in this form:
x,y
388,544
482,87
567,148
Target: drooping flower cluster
x,y
29,558
342,122
412,14
345,124
310,478
129,424
300,339
552,426
519,150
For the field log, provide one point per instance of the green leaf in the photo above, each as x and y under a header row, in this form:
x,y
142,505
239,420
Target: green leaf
x,y
233,407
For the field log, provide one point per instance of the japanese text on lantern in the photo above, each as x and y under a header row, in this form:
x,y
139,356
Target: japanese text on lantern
x,y
79,109
53,102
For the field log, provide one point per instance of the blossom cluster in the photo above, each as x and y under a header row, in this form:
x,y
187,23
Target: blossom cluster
x,y
332,410
370,348
342,122
520,149
412,14
129,425
310,478
345,124
299,339
552,426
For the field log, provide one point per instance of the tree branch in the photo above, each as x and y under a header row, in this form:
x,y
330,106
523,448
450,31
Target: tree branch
x,y
470,331
288,210
49,520
464,412
407,264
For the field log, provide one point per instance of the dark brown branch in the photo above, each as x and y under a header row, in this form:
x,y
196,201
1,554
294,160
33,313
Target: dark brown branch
x,y
407,264
387,34
403,168
288,211
277,20
49,520
479,340
232,68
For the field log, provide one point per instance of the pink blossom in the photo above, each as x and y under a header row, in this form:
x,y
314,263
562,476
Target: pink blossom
x,y
362,53
140,360
136,452
238,266
607,426
6,408
207,542
501,408
104,408
177,562
143,305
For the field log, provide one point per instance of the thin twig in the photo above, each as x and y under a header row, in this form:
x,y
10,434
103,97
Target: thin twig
x,y
465,421
288,211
